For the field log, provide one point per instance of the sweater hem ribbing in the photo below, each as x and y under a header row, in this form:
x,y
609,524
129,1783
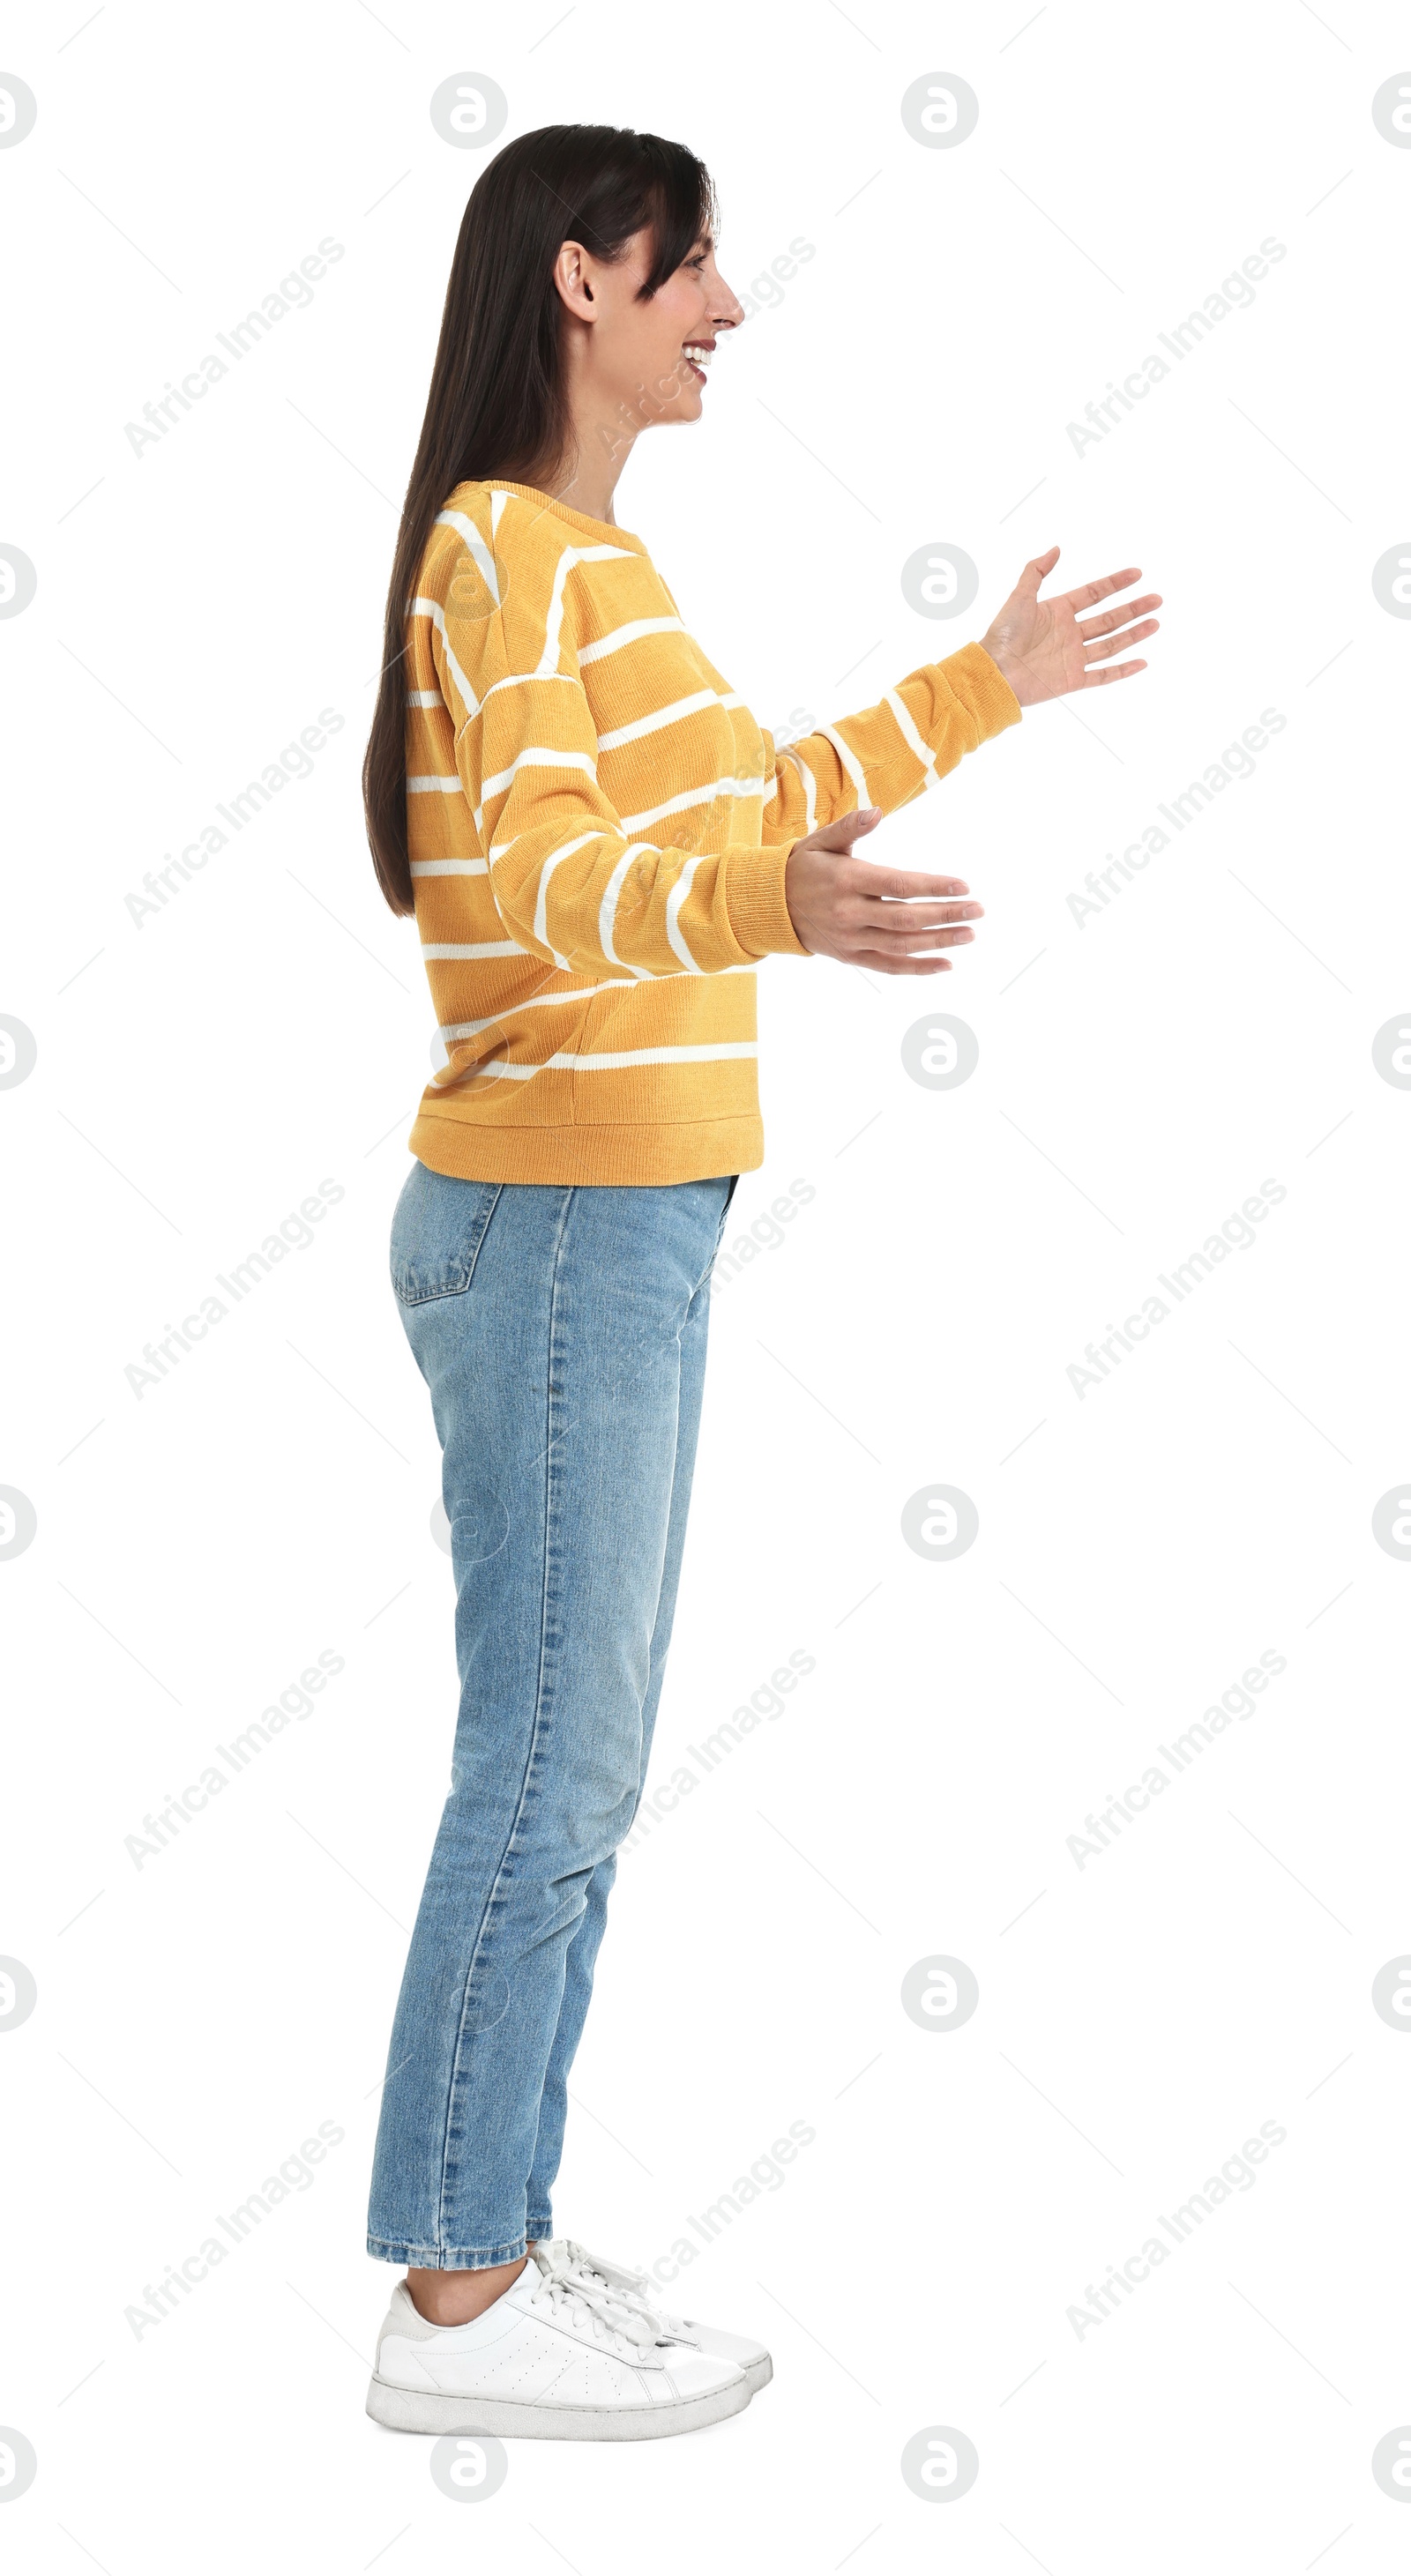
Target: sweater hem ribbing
x,y
651,1156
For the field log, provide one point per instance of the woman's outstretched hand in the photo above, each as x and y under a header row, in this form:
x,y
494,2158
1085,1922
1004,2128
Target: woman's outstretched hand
x,y
886,918
892,919
1045,647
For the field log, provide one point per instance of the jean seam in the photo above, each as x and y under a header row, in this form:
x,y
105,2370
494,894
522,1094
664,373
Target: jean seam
x,y
432,2258
490,1903
715,1251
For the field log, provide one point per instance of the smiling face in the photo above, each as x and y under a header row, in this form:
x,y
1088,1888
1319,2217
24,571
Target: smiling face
x,y
633,363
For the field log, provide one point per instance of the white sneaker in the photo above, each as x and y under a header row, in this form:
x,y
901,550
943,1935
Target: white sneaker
x,y
574,2262
555,2359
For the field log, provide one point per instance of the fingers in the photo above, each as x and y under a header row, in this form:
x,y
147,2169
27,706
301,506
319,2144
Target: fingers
x,y
895,920
1093,591
909,937
859,907
1119,643
1117,671
1118,616
886,921
901,885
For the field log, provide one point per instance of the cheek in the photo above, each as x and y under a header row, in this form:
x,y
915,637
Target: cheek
x,y
647,360
671,327
670,373
661,325
683,303
631,357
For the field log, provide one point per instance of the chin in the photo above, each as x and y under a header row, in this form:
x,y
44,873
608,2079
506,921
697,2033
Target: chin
x,y
687,408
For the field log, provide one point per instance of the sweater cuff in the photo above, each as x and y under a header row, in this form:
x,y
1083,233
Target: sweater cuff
x,y
982,689
753,886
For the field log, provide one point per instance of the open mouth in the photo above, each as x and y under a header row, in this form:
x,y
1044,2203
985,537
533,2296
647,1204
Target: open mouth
x,y
697,354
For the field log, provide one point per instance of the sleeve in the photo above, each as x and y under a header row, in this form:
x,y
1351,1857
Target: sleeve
x,y
570,883
892,752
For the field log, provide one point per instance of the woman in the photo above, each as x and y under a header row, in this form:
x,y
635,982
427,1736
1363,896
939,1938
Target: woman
x,y
599,844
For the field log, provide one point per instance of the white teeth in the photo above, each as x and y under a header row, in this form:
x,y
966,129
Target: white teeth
x,y
698,352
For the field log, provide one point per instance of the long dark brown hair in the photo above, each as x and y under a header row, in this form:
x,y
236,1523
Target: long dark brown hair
x,y
498,401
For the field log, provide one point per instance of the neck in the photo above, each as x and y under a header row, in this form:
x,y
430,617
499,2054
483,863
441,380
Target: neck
x,y
587,477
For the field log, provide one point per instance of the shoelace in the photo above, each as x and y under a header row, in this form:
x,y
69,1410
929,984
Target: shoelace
x,y
565,2290
596,2271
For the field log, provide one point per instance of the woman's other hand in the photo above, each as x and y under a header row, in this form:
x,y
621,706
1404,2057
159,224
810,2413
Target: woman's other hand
x,y
886,918
1045,648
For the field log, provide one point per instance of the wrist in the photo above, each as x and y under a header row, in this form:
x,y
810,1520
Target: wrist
x,y
1010,668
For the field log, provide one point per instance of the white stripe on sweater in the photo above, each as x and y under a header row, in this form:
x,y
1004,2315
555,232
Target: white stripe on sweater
x,y
567,1062
810,786
728,1050
628,634
676,713
553,622
519,679
607,909
475,547
542,756
450,867
511,680
473,948
851,764
553,619
535,1002
433,609
536,756
674,901
694,796
907,729
541,902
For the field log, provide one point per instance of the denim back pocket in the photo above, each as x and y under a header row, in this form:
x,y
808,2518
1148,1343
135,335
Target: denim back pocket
x,y
438,1227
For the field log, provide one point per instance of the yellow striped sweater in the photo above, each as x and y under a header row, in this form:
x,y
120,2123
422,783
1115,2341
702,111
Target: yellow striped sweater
x,y
598,831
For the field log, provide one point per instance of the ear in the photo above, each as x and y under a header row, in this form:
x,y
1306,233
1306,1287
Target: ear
x,y
572,277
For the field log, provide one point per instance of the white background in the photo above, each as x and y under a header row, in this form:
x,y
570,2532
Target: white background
x,y
1138,1077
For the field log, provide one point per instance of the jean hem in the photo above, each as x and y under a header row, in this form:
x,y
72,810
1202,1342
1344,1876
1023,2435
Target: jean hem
x,y
446,2258
539,2230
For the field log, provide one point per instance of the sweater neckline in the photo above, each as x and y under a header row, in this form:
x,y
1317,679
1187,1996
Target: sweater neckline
x,y
602,529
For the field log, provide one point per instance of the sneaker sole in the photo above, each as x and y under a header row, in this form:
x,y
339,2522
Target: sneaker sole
x,y
426,2410
758,2374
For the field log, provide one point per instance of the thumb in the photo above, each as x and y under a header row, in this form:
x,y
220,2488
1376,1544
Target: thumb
x,y
1037,571
851,827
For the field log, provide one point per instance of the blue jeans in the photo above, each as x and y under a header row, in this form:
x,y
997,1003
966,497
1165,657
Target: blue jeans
x,y
562,1333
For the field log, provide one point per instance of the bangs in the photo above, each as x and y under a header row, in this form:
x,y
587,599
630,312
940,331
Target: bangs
x,y
681,207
